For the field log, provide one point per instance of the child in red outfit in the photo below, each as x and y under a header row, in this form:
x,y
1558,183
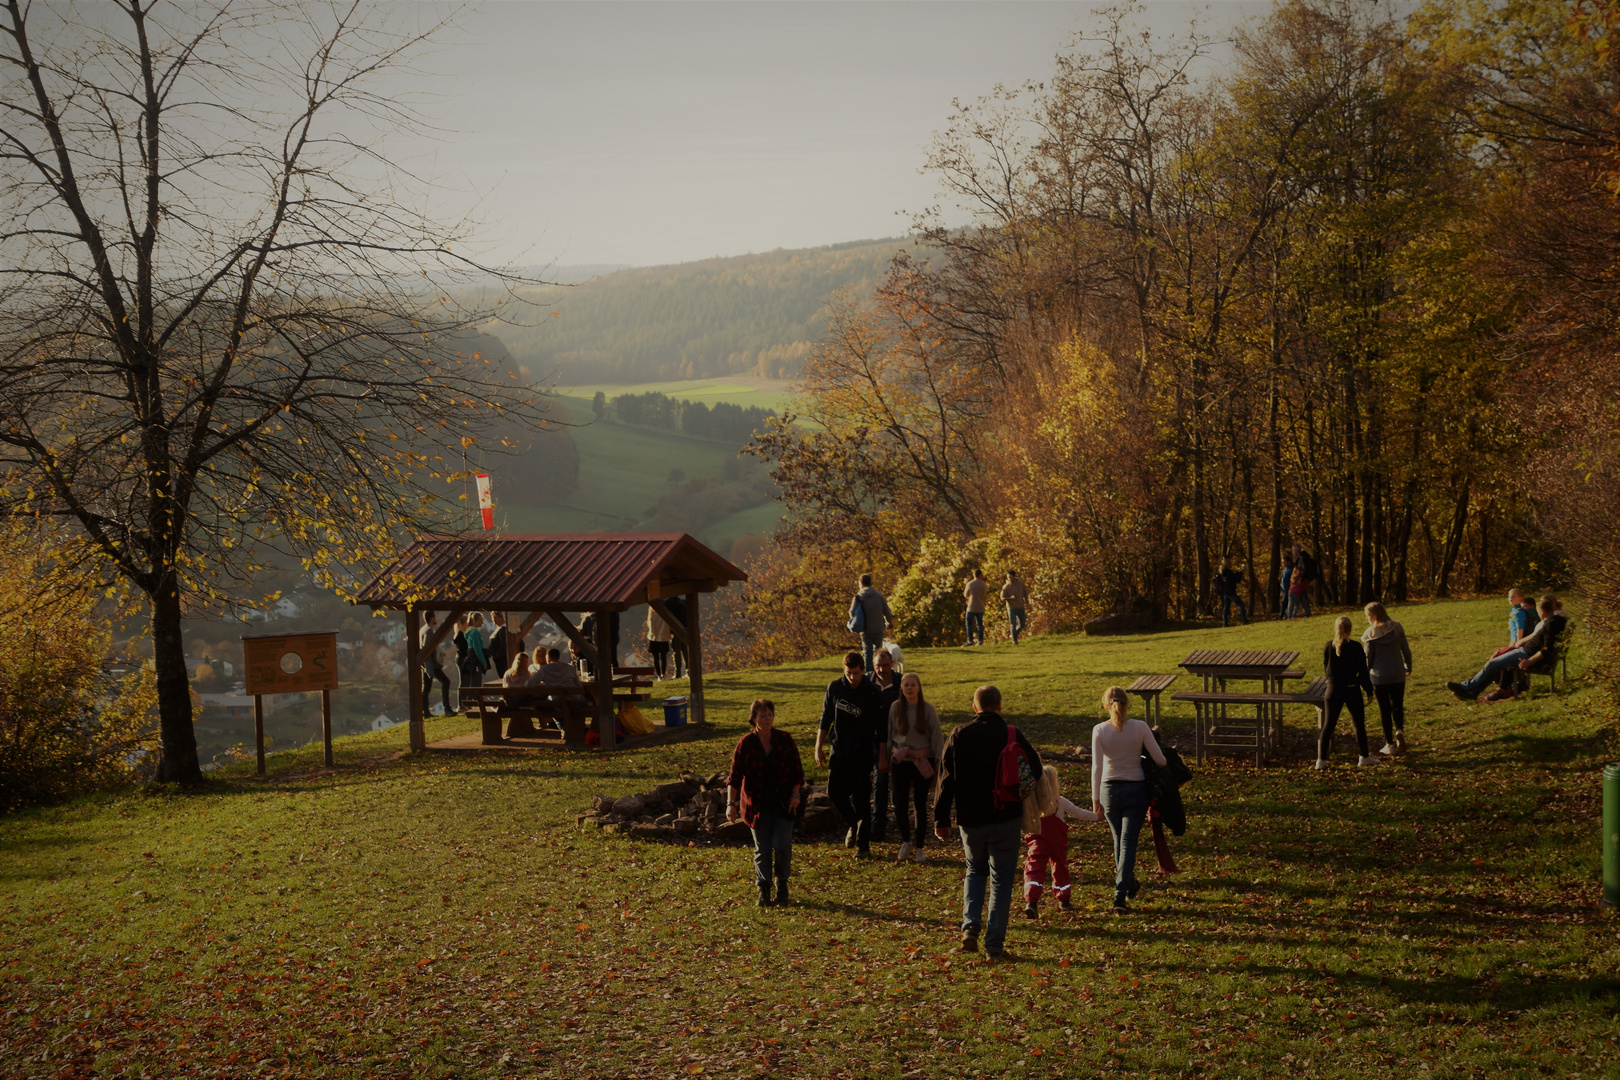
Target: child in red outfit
x,y
1046,830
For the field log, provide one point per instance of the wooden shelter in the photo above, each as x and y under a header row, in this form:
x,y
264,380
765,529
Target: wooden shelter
x,y
547,574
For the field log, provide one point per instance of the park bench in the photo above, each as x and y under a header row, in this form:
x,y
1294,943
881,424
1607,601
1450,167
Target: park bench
x,y
1261,734
1558,656
1148,688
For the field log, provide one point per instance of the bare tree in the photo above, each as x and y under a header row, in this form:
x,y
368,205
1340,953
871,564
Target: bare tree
x,y
226,327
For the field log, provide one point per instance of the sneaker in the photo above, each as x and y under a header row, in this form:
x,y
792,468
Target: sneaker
x,y
1460,692
1400,742
1387,751
999,956
1321,764
1366,759
1121,908
904,853
863,852
970,940
849,838
920,857
1031,910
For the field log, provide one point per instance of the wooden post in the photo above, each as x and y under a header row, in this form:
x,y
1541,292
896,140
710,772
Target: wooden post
x,y
694,656
326,724
413,679
607,723
258,728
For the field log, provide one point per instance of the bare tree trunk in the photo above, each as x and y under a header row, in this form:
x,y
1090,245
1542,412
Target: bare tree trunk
x,y
1454,538
1481,574
179,759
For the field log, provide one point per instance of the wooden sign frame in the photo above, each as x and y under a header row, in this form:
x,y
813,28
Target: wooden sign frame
x,y
290,664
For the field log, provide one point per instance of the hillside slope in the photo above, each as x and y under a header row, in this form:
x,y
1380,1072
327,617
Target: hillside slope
x,y
748,314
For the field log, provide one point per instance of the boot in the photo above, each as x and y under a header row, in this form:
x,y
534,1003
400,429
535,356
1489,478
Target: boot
x,y
764,897
782,892
1031,910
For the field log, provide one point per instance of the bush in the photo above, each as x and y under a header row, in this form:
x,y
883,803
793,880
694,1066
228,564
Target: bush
x,y
69,724
928,604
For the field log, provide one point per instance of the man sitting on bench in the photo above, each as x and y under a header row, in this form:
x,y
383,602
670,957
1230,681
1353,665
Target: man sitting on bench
x,y
1532,651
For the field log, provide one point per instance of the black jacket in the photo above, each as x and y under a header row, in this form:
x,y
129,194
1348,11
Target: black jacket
x,y
1346,669
967,773
1165,784
857,721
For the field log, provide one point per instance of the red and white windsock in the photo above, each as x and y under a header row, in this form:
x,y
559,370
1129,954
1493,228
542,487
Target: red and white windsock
x,y
486,504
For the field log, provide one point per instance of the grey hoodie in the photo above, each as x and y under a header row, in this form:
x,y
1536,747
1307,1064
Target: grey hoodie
x,y
877,611
1389,657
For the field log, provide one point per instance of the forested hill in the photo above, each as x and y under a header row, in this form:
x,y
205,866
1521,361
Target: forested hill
x,y
749,314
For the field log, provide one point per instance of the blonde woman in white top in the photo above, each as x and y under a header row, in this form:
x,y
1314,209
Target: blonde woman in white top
x,y
1119,790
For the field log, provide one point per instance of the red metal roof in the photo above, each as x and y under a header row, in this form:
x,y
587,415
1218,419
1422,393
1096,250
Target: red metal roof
x,y
522,571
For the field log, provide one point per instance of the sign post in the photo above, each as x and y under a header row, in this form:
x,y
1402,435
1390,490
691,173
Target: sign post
x,y
290,664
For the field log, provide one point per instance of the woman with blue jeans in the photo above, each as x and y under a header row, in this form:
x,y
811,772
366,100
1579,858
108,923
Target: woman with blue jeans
x,y
763,790
1119,789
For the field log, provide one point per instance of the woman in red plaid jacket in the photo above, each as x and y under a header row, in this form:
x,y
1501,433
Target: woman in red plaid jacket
x,y
766,778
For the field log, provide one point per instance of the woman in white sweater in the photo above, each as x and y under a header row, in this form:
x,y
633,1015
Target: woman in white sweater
x,y
1119,790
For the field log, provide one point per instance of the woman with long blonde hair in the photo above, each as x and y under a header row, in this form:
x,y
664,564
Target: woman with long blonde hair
x,y
916,743
1344,662
1389,662
1119,789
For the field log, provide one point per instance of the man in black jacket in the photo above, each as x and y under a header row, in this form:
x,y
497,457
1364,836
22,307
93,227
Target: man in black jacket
x,y
853,719
990,828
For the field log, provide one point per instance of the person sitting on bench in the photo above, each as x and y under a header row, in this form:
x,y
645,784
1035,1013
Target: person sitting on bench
x,y
555,673
1532,651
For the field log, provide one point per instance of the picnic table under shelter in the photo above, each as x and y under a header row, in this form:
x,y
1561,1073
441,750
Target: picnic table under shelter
x,y
551,574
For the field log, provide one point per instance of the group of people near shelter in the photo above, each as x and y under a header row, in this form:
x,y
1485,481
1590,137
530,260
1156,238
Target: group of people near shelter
x,y
984,779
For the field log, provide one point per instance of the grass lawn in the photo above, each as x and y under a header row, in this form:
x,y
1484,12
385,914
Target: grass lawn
x,y
437,917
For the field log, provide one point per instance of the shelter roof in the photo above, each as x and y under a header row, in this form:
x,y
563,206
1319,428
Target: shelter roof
x,y
526,571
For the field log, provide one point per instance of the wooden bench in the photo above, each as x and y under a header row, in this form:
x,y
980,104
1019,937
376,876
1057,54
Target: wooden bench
x,y
1549,667
1261,734
520,707
1149,687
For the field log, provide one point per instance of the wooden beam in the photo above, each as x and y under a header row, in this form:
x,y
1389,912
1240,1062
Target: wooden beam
x,y
566,625
413,681
694,656
675,625
528,624
607,722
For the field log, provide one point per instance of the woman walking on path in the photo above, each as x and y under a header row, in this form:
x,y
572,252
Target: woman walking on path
x,y
1389,662
1119,790
1344,662
915,745
763,790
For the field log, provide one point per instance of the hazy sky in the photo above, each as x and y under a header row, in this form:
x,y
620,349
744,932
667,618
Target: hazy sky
x,y
646,133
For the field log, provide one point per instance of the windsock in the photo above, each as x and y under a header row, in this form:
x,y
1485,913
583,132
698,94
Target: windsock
x,y
486,504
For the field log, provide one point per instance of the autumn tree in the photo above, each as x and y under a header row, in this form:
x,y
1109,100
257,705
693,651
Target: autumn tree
x,y
226,328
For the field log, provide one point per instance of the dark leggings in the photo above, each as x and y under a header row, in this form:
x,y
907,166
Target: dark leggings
x,y
1343,699
910,790
1391,708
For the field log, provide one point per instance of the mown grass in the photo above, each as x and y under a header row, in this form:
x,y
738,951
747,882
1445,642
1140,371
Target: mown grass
x,y
437,916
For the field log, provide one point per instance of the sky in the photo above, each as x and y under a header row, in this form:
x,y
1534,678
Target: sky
x,y
651,133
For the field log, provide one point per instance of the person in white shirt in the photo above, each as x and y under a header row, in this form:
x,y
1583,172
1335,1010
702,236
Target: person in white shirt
x,y
1119,790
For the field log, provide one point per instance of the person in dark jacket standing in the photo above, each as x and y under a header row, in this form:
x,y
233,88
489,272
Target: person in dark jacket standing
x,y
888,684
1226,587
1344,662
853,720
991,829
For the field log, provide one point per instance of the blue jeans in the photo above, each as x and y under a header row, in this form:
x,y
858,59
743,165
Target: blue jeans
x,y
871,645
975,621
1015,619
1227,600
773,837
992,851
1125,805
1493,667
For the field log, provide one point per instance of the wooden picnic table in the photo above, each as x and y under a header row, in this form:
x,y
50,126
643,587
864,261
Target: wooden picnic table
x,y
1216,728
568,706
1148,688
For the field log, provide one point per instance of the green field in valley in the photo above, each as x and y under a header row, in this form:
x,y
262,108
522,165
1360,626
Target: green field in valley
x,y
445,916
770,394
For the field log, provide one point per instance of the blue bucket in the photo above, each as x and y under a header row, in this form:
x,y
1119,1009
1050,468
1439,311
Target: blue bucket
x,y
674,711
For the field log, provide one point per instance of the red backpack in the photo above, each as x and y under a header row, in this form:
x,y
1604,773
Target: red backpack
x,y
1014,779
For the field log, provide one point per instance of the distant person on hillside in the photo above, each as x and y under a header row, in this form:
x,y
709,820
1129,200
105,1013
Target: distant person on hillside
x,y
1307,572
1016,597
888,684
1119,788
658,635
433,665
975,591
677,608
875,617
916,745
852,721
1389,662
1535,648
1226,582
1285,603
989,816
1344,662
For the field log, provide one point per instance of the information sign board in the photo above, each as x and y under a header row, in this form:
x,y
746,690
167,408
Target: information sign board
x,y
290,663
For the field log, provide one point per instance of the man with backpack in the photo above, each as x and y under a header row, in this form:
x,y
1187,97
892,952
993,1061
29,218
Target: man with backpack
x,y
985,771
854,720
869,616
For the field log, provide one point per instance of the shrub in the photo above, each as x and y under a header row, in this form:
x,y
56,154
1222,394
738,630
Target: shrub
x,y
69,722
928,604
